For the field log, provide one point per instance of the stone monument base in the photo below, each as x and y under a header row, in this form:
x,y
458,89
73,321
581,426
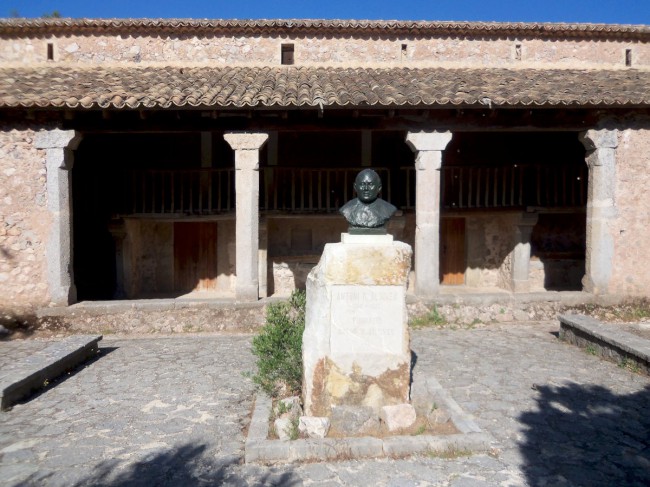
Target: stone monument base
x,y
356,353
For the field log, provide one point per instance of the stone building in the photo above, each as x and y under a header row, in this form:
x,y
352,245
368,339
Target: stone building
x,y
143,158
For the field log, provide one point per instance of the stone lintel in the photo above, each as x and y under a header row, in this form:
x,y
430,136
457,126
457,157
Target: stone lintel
x,y
57,139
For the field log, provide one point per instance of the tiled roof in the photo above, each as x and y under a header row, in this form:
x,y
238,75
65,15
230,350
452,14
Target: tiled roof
x,y
243,87
26,27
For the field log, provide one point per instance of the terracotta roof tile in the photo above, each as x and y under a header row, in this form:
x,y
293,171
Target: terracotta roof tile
x,y
244,87
24,27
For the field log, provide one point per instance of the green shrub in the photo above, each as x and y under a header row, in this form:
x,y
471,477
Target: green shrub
x,y
278,347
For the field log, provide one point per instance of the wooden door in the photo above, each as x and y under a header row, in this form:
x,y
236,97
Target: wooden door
x,y
195,256
452,251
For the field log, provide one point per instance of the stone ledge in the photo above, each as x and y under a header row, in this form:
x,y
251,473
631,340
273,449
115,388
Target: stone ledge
x,y
609,341
32,372
259,449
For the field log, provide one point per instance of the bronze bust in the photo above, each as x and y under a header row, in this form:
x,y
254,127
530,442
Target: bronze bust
x,y
367,213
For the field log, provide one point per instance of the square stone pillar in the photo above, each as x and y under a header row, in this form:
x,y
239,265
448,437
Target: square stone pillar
x,y
247,147
428,148
521,254
601,208
263,258
59,159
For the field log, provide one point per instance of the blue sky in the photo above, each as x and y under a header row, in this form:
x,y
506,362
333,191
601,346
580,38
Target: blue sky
x,y
601,11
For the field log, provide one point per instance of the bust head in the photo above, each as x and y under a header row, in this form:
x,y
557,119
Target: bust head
x,y
367,213
367,185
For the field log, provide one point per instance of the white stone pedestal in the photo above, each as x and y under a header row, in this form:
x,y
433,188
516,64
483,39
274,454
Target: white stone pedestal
x,y
356,342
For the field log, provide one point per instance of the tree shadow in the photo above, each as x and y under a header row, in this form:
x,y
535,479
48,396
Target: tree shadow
x,y
587,435
184,465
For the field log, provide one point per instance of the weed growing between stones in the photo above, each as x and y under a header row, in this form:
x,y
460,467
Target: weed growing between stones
x,y
292,430
278,348
629,364
450,454
628,311
432,318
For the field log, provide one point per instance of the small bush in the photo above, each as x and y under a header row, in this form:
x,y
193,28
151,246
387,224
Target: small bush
x,y
278,347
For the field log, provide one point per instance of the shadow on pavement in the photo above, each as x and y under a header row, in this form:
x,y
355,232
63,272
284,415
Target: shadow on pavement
x,y
587,435
185,465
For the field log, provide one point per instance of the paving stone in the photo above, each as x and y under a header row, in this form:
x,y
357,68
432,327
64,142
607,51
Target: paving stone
x,y
493,367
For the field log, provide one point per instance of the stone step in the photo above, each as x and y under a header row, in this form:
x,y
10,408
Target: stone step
x,y
32,373
606,340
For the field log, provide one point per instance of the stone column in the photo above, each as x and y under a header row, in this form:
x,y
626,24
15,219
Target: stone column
x,y
428,147
521,254
263,258
247,147
58,146
601,210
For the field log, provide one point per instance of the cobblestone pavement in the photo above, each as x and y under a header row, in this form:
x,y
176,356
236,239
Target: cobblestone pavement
x,y
11,352
170,411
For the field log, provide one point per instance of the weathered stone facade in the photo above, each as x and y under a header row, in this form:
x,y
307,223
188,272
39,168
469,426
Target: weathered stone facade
x,y
326,50
25,221
631,228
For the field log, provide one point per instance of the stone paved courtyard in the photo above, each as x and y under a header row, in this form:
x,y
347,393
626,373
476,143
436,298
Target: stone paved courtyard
x,y
171,411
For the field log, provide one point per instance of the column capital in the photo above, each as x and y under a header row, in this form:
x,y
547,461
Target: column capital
x,y
428,141
57,139
599,139
246,140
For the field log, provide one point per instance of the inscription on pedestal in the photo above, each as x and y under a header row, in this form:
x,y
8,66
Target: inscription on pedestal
x,y
367,319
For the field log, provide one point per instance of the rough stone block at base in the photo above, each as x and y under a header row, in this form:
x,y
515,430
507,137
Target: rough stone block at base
x,y
314,427
354,420
261,450
283,428
398,417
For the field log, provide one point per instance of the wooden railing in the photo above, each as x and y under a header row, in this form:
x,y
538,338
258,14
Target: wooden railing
x,y
295,189
518,185
312,189
187,191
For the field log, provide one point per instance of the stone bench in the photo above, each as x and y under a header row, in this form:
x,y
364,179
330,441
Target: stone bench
x,y
608,341
32,373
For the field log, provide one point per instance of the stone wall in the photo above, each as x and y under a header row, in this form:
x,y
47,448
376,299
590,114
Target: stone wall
x,y
489,244
631,230
24,220
327,50
149,258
